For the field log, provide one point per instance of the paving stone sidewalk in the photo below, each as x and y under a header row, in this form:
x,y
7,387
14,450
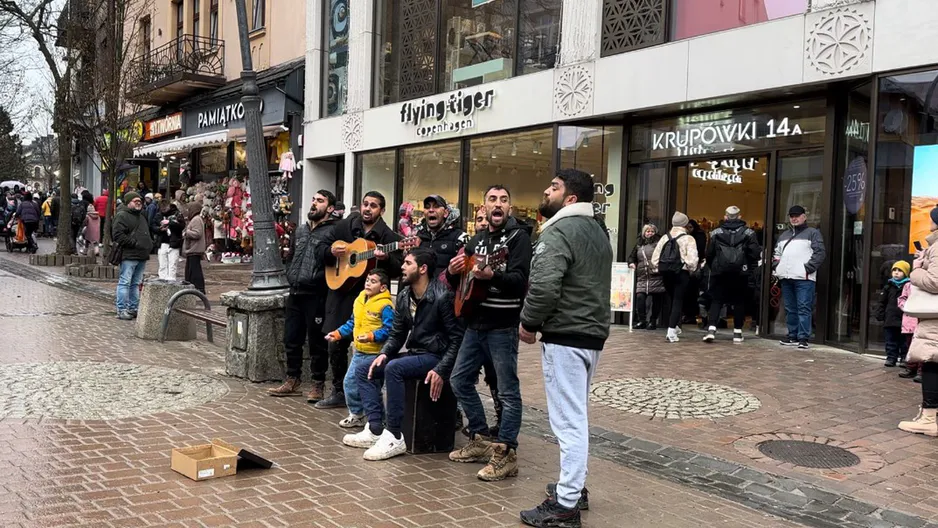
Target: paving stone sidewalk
x,y
77,447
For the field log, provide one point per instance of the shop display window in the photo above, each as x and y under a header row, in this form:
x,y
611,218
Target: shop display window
x,y
690,18
213,160
539,35
377,172
430,169
336,35
521,162
479,41
905,182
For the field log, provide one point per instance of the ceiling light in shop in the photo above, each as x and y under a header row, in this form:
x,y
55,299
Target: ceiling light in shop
x,y
439,161
586,142
514,148
498,170
172,158
796,107
387,168
493,153
456,159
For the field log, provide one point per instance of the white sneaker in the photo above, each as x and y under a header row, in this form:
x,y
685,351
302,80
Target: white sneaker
x,y
711,335
678,331
386,447
672,336
363,439
353,421
737,336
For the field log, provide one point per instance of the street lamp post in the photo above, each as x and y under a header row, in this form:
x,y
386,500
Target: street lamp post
x,y
267,272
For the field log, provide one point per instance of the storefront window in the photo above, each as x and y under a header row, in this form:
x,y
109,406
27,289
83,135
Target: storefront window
x,y
598,151
539,34
378,173
213,161
430,169
336,79
690,18
905,187
776,126
480,41
521,162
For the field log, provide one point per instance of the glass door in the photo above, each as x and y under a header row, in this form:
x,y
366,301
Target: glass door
x,y
798,181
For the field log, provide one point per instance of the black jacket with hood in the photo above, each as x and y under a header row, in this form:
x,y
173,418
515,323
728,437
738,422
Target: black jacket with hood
x,y
339,302
506,290
307,269
432,329
173,234
444,242
723,236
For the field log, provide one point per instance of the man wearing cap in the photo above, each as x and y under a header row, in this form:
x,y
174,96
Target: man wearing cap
x,y
732,255
440,230
799,253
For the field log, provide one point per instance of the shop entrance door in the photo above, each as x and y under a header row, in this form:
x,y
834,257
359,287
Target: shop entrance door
x,y
703,190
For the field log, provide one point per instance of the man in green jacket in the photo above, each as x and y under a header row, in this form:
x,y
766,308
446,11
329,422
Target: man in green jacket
x,y
568,303
131,232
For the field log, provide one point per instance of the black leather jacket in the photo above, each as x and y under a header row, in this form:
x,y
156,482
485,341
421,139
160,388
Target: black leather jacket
x,y
433,329
307,271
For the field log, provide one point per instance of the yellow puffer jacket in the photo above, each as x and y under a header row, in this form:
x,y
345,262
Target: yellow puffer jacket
x,y
371,317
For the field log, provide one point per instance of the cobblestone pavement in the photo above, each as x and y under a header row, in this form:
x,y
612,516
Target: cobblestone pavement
x,y
72,469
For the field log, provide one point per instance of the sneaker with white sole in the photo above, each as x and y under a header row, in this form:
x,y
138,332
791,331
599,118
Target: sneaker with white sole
x,y
678,330
737,336
353,421
711,335
672,336
386,447
363,439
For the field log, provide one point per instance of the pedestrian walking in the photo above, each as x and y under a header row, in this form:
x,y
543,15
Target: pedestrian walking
x,y
193,246
732,255
568,303
92,231
649,285
924,347
100,205
676,258
890,313
131,233
28,212
799,253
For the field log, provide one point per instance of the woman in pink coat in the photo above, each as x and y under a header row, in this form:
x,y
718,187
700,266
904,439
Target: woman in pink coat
x,y
924,347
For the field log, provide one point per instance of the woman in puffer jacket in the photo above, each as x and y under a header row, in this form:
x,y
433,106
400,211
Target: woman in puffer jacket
x,y
924,347
648,282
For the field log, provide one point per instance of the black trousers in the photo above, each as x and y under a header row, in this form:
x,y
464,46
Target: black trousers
x,y
689,302
304,316
731,290
897,343
194,274
30,228
676,286
641,306
930,385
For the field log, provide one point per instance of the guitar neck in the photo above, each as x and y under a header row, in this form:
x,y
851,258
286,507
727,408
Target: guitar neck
x,y
386,248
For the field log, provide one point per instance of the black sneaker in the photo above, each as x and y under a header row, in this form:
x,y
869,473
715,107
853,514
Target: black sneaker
x,y
788,341
908,372
890,362
918,376
639,326
652,326
803,345
334,401
551,514
583,504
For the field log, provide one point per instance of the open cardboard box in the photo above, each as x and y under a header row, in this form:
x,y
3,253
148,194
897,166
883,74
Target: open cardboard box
x,y
218,459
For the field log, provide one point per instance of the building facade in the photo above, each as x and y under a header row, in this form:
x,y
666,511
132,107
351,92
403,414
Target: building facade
x,y
690,105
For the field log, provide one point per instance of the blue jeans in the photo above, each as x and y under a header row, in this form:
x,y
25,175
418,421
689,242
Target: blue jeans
x,y
799,305
128,285
502,347
353,399
48,226
393,373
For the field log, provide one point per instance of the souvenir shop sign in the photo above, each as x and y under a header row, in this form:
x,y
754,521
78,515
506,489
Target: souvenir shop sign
x,y
229,114
452,113
163,126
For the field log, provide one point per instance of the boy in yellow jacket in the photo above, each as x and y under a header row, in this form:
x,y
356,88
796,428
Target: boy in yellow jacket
x,y
370,324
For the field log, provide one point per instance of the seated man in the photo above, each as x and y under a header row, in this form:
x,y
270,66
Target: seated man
x,y
426,322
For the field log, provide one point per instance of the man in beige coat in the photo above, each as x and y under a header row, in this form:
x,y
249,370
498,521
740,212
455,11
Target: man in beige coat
x,y
924,347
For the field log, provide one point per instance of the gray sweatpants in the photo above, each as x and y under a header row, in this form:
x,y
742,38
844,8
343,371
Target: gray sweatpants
x,y
567,375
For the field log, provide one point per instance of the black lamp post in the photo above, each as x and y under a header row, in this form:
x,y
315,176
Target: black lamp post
x,y
268,273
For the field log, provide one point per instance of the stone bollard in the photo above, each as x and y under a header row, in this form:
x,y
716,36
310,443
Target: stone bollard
x,y
255,335
153,301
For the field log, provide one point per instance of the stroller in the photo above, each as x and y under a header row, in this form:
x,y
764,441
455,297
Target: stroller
x,y
14,234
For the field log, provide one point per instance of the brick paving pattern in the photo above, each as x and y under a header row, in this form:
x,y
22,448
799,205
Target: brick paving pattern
x,y
94,472
672,398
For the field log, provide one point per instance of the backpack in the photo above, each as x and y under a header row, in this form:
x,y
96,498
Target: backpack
x,y
670,260
731,257
79,212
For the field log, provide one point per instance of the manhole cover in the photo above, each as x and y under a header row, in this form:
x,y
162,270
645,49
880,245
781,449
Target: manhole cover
x,y
808,454
674,399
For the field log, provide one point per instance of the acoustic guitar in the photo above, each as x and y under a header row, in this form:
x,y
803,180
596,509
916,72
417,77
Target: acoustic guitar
x,y
359,259
472,291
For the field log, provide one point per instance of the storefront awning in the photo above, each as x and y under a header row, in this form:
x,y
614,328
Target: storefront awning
x,y
183,144
240,135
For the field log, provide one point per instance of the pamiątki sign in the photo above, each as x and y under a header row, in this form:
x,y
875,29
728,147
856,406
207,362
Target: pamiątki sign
x,y
452,113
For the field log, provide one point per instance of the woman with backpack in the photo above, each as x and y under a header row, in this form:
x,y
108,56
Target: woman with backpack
x,y
648,282
675,258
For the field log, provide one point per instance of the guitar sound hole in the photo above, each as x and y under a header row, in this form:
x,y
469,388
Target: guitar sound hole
x,y
353,259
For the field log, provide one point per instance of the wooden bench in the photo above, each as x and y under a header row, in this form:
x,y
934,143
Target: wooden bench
x,y
205,315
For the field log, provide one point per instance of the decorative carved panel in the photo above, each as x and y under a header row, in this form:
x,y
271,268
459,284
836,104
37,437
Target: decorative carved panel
x,y
417,48
632,24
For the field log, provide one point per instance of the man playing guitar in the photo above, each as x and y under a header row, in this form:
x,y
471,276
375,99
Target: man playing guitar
x,y
367,223
492,332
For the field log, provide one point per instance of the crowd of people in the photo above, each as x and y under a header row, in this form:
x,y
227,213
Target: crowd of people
x,y
419,336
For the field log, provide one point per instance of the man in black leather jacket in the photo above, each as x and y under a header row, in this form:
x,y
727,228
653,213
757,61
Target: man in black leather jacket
x,y
426,323
306,303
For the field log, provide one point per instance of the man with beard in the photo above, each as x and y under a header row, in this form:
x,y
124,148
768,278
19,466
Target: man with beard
x,y
568,303
306,302
367,224
493,334
424,320
440,230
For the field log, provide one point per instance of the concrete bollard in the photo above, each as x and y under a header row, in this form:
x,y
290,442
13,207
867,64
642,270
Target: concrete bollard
x,y
153,302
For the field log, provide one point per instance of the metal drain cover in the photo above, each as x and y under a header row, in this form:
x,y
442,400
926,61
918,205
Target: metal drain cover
x,y
808,454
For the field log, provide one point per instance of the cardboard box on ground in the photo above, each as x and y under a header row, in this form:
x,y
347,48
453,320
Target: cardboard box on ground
x,y
214,460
